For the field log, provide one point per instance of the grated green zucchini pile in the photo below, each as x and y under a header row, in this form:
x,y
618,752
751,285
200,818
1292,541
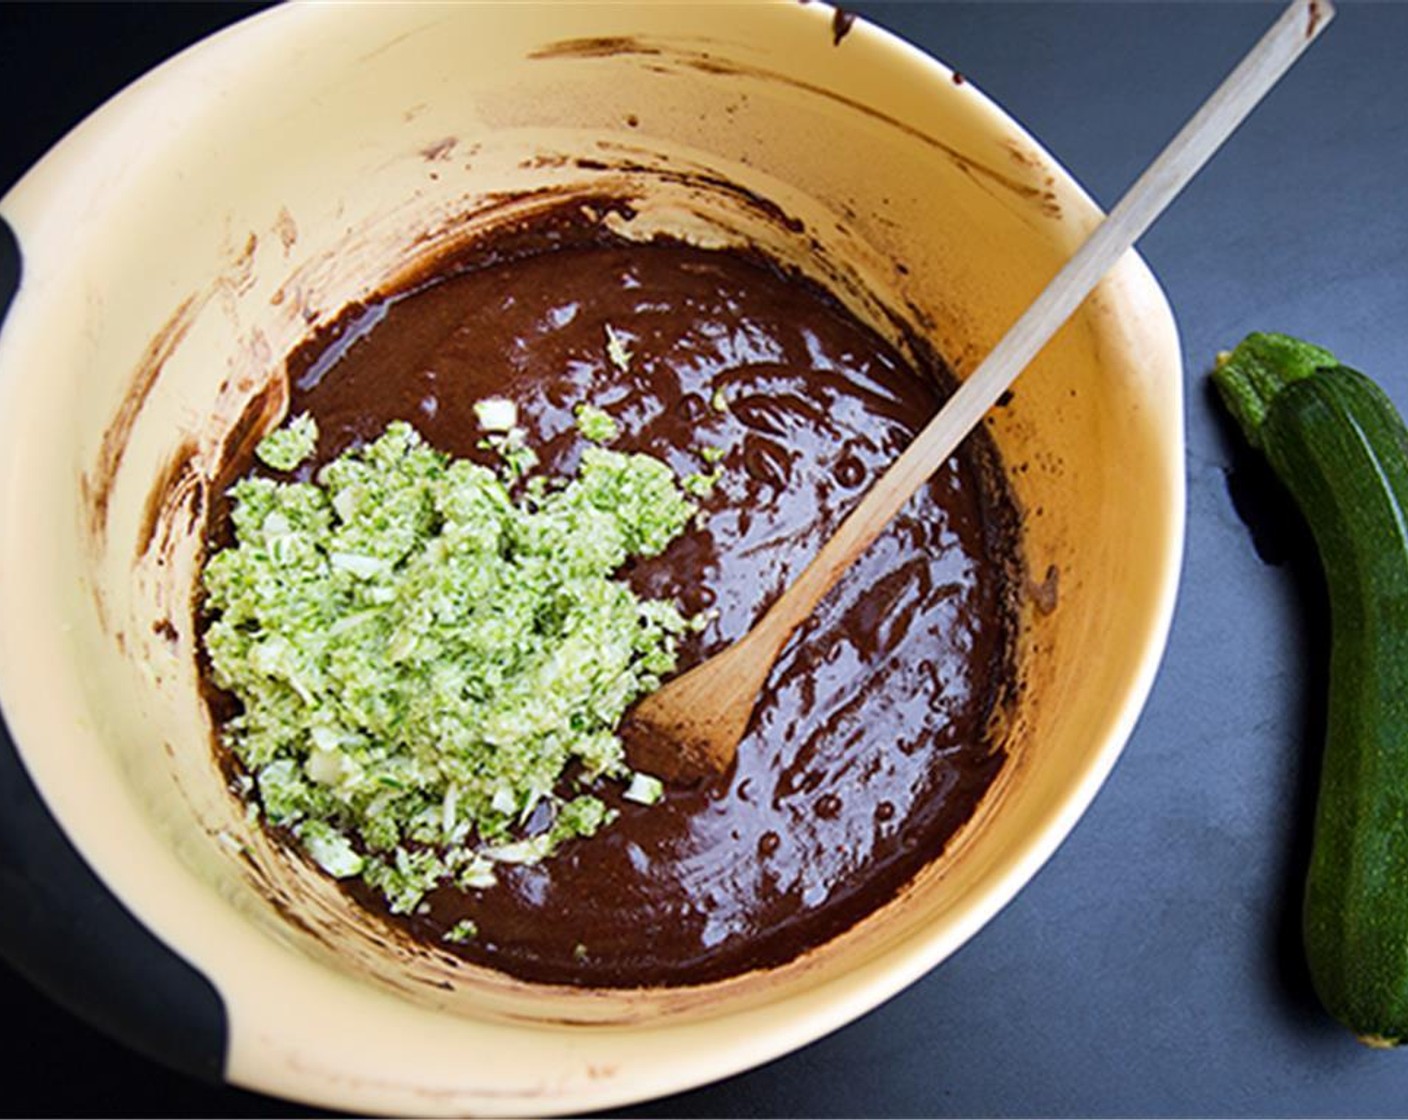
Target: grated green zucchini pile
x,y
431,672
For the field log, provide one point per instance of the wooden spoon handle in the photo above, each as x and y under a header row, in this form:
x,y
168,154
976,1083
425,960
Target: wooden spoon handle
x,y
1151,193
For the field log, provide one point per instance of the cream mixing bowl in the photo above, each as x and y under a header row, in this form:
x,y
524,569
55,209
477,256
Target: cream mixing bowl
x,y
188,236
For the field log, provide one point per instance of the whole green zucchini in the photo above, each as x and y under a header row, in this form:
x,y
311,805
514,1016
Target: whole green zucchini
x,y
1340,447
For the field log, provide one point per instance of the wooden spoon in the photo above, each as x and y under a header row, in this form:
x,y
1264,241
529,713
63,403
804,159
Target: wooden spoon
x,y
691,727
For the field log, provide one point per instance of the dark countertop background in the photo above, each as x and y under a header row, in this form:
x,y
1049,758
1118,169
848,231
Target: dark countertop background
x,y
1153,966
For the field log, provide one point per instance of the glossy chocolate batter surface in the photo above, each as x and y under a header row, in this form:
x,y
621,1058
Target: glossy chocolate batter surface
x,y
868,748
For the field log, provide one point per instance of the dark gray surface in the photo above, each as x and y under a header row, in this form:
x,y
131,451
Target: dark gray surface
x,y
1153,967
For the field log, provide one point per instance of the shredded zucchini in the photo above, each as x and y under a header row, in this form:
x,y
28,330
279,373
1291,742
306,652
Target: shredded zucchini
x,y
421,659
595,424
290,445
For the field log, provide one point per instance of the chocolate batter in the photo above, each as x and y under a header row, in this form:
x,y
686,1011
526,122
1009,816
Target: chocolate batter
x,y
868,749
